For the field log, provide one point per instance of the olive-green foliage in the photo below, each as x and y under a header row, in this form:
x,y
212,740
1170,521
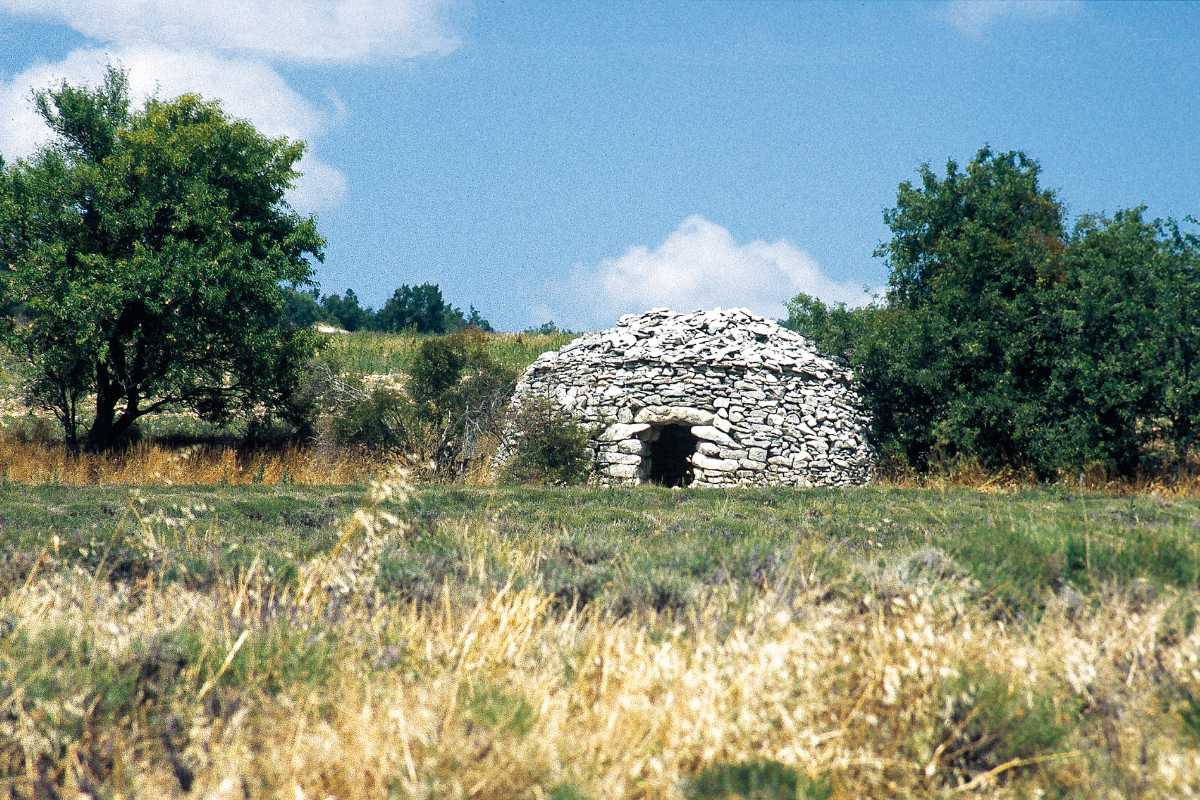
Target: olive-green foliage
x,y
462,391
450,406
761,780
379,418
549,446
346,311
835,330
1004,340
422,309
435,372
1125,325
954,359
148,248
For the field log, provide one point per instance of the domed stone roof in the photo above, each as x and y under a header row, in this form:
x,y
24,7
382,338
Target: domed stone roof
x,y
711,398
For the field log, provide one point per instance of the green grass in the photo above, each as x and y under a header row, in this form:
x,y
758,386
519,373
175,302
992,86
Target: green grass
x,y
368,353
634,548
199,611
192,535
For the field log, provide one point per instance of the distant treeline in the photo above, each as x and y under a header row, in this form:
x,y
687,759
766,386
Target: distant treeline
x,y
410,308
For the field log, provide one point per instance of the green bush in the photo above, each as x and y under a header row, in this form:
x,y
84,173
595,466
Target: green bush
x,y
1008,342
462,391
381,418
436,371
448,412
550,447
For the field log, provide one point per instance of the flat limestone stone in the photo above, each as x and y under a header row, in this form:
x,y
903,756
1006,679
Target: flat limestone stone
x,y
714,464
620,471
710,434
615,433
679,415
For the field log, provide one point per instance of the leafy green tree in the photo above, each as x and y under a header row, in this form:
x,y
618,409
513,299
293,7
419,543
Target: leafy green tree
x,y
9,306
348,313
958,366
545,329
303,309
423,309
419,308
835,330
1127,330
1004,340
476,320
149,248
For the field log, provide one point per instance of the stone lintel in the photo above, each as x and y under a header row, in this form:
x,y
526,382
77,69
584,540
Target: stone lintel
x,y
678,415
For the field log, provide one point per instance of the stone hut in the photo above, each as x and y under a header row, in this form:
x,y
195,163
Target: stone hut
x,y
711,398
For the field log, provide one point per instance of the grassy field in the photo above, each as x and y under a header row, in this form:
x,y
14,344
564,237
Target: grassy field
x,y
366,353
306,641
196,619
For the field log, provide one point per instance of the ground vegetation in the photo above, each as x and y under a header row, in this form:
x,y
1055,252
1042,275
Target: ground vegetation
x,y
257,641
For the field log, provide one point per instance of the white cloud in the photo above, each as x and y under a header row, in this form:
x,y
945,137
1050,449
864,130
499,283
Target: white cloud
x,y
247,88
319,186
974,17
296,30
223,51
700,266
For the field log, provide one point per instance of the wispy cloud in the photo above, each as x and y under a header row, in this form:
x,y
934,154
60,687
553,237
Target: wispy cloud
x,y
224,52
700,266
975,17
299,30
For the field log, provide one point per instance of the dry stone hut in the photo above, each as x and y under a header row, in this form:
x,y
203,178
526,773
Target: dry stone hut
x,y
712,398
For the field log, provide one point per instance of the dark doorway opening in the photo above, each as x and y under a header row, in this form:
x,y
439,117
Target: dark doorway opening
x,y
669,456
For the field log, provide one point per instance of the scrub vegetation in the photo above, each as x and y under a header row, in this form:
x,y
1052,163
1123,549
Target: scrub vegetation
x,y
266,641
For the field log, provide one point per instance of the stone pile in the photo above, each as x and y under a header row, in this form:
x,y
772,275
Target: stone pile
x,y
712,398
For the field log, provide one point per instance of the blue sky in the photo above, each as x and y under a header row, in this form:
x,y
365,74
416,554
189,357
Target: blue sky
x,y
577,161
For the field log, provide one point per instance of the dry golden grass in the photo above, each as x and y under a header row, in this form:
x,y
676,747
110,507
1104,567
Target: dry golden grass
x,y
321,690
1183,481
39,463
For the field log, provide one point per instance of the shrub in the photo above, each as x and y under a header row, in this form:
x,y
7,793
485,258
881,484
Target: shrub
x,y
446,414
462,391
380,418
550,447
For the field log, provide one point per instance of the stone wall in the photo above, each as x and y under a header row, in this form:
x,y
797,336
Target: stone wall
x,y
742,400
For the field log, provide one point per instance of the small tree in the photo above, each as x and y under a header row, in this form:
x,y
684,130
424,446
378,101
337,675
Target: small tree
x,y
420,308
548,445
149,248
957,365
346,310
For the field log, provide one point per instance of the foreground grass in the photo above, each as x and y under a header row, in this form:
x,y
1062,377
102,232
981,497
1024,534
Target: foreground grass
x,y
266,641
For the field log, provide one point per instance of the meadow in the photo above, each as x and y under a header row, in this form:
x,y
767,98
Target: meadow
x,y
191,620
383,641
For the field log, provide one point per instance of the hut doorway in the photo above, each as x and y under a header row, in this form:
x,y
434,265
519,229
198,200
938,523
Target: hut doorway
x,y
669,465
